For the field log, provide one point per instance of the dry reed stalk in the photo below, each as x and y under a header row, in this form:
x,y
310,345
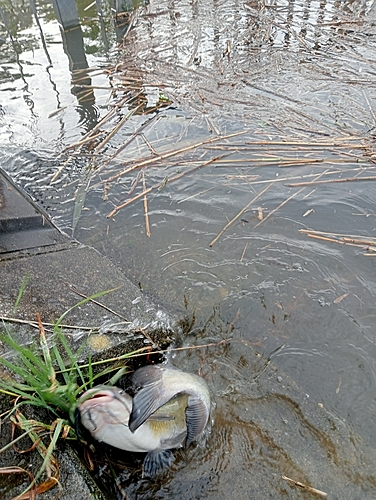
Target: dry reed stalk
x,y
84,141
238,215
324,238
74,289
277,208
332,240
332,181
307,176
200,193
299,143
350,238
116,128
320,493
287,200
149,145
56,112
290,163
87,95
369,107
104,120
89,135
266,162
243,253
158,185
98,87
123,146
61,168
34,324
359,242
86,138
169,154
147,225
342,161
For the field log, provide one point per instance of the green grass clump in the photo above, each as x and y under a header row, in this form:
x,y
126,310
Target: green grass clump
x,y
51,378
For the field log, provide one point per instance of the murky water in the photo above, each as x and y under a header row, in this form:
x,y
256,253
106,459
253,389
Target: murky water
x,y
295,80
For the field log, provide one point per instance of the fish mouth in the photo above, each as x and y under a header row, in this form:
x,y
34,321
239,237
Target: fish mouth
x,y
103,394
102,398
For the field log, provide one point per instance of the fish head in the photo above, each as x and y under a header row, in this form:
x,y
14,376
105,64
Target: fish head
x,y
104,408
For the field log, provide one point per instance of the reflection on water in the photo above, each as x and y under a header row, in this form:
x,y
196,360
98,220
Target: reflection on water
x,y
295,80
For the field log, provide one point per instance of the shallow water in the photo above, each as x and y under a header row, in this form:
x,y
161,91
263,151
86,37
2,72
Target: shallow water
x,y
296,81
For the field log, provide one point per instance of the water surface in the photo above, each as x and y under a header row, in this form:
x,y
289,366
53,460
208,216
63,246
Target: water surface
x,y
270,94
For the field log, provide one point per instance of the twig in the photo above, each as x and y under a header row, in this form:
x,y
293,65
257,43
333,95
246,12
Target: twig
x,y
238,215
306,487
74,289
147,225
34,324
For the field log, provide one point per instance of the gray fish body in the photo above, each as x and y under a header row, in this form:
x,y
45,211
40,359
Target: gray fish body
x,y
170,407
105,413
158,384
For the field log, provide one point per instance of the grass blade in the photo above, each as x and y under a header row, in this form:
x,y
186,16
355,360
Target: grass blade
x,y
33,362
46,352
23,286
82,302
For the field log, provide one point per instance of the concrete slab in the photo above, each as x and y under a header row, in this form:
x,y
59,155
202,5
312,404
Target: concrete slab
x,y
23,225
55,280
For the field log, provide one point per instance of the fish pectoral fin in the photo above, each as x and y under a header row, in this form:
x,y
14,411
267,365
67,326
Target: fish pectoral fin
x,y
197,415
157,462
147,401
